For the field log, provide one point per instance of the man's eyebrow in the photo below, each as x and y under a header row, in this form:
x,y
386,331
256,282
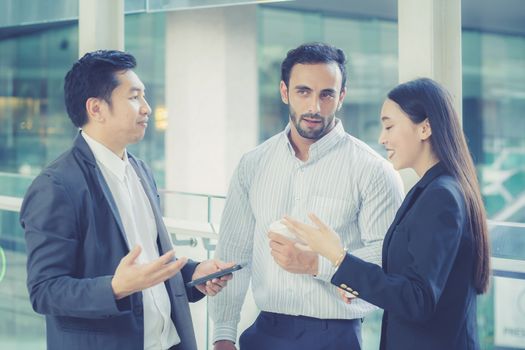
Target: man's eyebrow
x,y
137,89
302,87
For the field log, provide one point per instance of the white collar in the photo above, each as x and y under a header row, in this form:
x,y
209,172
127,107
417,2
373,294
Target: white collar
x,y
106,157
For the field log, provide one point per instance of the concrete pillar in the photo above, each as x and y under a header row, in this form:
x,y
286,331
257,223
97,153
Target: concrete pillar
x,y
100,25
211,95
212,106
430,46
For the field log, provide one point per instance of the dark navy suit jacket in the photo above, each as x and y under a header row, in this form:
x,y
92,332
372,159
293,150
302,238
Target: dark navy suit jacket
x,y
425,284
75,240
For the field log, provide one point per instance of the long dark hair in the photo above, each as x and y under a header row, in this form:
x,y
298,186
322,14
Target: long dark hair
x,y
424,98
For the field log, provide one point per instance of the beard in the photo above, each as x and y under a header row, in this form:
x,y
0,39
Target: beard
x,y
312,133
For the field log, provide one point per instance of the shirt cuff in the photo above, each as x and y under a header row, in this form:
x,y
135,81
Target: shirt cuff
x,y
325,269
226,331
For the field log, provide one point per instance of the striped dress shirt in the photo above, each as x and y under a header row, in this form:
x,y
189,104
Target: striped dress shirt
x,y
344,182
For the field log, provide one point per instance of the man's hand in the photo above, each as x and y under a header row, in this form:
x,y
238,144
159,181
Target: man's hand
x,y
291,258
131,277
224,345
207,267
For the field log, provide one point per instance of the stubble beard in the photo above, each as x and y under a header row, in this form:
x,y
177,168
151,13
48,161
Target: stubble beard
x,y
312,134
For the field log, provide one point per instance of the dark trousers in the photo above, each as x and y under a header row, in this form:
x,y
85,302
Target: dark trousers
x,y
284,332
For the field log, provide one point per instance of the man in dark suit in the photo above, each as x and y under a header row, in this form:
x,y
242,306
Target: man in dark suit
x,y
101,265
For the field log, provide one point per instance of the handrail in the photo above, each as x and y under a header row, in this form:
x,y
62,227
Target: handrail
x,y
199,229
174,226
10,203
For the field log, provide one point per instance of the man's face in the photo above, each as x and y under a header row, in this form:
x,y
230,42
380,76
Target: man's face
x,y
313,96
127,115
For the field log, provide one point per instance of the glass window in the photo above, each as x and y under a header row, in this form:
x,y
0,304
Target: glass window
x,y
493,100
145,39
34,128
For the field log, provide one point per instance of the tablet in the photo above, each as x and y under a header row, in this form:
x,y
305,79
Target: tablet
x,y
211,276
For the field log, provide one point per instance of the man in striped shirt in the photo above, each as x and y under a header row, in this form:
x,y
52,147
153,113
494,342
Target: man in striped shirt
x,y
312,166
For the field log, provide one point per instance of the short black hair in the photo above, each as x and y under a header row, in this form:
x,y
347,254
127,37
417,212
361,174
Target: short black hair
x,y
313,53
93,75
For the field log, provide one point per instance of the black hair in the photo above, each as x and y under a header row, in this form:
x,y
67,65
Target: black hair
x,y
313,53
93,75
426,99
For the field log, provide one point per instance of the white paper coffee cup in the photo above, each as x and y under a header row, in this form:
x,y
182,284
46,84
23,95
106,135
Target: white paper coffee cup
x,y
280,228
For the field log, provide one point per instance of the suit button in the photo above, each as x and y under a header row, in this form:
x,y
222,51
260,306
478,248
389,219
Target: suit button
x,y
355,293
137,310
344,286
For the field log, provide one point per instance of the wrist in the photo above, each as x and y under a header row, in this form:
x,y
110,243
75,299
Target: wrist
x,y
337,258
116,291
314,267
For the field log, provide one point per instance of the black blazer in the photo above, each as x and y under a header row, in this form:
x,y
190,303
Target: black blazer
x,y
426,283
75,240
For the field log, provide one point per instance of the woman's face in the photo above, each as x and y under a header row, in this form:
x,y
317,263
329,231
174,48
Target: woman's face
x,y
400,136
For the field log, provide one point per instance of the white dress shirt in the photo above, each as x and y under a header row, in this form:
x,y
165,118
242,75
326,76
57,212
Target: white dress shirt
x,y
140,229
344,182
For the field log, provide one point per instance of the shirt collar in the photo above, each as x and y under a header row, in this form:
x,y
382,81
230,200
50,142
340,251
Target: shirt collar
x,y
105,157
322,146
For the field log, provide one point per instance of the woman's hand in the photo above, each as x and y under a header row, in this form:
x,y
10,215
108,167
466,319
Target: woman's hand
x,y
347,297
320,238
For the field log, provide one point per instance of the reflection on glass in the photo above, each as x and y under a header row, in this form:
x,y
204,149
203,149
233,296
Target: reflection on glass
x,y
24,12
493,101
34,128
20,327
167,5
145,39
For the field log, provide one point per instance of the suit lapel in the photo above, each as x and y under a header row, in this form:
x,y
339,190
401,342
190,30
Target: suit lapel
x,y
81,146
410,198
405,206
164,237
112,205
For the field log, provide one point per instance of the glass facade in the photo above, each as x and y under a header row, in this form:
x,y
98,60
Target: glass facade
x,y
145,39
34,129
33,126
493,98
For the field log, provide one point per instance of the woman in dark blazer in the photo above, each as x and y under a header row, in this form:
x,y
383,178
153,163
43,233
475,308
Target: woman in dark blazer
x,y
435,253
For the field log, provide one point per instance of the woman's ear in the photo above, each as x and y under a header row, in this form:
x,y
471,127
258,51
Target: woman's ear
x,y
425,131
